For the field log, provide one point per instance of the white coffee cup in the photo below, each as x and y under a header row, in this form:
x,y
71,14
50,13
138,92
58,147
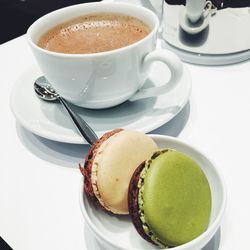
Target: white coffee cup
x,y
103,79
195,9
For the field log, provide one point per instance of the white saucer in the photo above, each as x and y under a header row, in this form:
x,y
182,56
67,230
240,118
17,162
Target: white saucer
x,y
50,121
193,28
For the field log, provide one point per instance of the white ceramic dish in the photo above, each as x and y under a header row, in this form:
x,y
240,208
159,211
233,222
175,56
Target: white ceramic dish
x,y
118,232
50,121
206,59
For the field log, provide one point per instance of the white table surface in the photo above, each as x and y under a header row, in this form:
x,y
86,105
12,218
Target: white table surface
x,y
39,178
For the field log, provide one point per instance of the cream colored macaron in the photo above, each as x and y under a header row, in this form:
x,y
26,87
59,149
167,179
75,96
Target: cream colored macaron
x,y
113,163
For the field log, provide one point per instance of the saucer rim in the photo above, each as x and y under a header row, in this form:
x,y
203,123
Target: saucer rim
x,y
76,138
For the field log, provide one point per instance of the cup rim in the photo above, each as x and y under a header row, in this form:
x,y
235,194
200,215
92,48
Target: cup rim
x,y
109,52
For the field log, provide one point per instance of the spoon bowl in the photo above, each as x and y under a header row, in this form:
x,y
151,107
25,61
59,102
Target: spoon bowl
x,y
44,90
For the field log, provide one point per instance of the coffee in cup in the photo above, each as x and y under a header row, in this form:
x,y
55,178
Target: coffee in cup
x,y
104,75
94,33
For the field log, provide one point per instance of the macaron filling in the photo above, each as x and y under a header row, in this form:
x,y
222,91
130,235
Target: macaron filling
x,y
94,172
140,186
174,199
87,169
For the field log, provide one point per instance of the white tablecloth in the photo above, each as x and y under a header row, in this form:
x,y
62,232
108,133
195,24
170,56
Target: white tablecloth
x,y
39,178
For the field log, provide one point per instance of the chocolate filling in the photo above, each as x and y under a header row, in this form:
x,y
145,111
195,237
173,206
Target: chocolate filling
x,y
133,204
86,170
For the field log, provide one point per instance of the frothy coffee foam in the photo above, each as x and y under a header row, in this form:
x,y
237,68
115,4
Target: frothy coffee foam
x,y
94,33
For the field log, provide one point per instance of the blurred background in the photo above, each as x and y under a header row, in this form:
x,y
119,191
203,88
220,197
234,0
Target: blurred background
x,y
17,15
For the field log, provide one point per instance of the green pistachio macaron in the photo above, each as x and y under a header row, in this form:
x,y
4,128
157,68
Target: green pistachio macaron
x,y
170,199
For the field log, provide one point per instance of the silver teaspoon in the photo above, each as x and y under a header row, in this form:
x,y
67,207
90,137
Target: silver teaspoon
x,y
45,91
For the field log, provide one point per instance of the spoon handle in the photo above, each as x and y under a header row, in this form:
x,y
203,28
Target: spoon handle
x,y
85,130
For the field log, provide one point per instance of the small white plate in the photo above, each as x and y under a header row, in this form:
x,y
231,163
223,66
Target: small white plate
x,y
50,121
118,232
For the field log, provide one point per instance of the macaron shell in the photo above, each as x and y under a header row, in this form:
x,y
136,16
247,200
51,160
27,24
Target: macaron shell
x,y
87,169
176,198
114,164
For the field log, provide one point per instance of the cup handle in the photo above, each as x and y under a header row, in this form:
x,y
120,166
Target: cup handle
x,y
172,62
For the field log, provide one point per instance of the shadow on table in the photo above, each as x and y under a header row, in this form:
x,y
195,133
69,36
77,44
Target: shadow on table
x,y
176,125
92,243
62,154
70,155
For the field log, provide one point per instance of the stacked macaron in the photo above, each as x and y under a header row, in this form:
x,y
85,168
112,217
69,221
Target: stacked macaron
x,y
110,164
169,199
165,191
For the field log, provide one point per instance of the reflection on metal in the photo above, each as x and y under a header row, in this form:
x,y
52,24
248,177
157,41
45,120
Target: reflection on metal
x,y
219,37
